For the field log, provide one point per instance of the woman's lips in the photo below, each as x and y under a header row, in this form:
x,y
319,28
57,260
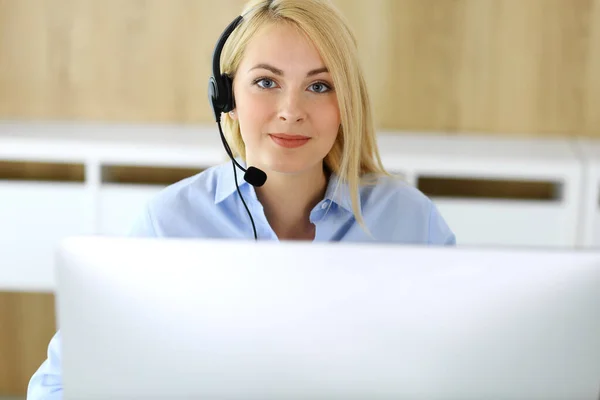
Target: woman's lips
x,y
289,141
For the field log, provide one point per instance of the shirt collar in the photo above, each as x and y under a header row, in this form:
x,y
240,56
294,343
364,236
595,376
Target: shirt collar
x,y
337,191
226,180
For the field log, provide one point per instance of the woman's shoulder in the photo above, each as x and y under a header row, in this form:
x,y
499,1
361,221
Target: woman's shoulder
x,y
402,209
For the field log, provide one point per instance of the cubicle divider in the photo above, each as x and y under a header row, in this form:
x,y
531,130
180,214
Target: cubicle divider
x,y
91,179
63,179
40,203
495,191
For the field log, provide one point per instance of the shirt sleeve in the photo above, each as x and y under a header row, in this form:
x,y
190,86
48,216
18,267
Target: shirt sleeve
x,y
46,382
439,232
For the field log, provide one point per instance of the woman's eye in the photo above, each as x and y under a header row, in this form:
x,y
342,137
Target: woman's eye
x,y
265,83
320,87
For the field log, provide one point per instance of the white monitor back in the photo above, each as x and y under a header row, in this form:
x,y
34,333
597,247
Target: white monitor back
x,y
211,319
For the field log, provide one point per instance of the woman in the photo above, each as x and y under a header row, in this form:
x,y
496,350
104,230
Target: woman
x,y
302,116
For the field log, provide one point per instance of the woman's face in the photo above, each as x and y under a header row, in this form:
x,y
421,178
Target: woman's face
x,y
285,102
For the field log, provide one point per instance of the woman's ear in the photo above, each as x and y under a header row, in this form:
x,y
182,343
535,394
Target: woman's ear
x,y
233,115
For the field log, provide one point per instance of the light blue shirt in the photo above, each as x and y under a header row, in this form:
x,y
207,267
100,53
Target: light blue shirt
x,y
207,205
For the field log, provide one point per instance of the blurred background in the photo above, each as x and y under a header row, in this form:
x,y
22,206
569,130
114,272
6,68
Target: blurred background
x,y
498,68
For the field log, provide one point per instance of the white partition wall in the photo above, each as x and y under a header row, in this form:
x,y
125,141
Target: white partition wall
x,y
119,204
492,221
35,215
589,151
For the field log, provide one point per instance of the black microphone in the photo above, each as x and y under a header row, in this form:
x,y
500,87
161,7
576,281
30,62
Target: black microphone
x,y
255,176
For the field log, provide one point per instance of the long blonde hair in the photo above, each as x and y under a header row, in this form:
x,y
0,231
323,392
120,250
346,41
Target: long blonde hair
x,y
354,155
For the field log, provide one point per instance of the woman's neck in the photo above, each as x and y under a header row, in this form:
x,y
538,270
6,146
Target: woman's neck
x,y
288,200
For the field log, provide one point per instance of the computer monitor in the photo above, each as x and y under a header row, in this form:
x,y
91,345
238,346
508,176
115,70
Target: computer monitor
x,y
232,319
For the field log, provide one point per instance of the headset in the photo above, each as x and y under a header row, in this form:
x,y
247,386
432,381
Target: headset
x,y
221,99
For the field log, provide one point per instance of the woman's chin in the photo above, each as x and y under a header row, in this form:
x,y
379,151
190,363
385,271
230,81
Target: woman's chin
x,y
288,166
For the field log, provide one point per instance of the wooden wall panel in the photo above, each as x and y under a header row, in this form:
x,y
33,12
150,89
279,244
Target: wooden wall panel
x,y
490,66
591,102
27,324
497,66
134,60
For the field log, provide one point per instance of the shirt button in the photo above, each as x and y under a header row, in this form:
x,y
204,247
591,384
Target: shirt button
x,y
325,205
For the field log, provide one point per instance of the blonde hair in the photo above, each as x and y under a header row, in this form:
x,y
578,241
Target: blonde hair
x,y
354,156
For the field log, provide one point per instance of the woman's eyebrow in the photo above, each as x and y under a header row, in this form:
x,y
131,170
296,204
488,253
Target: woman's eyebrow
x,y
279,72
317,71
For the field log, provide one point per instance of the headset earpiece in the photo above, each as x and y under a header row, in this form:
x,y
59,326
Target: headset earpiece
x,y
220,86
213,97
220,95
230,99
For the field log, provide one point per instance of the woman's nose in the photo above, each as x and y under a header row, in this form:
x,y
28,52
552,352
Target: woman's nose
x,y
292,108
